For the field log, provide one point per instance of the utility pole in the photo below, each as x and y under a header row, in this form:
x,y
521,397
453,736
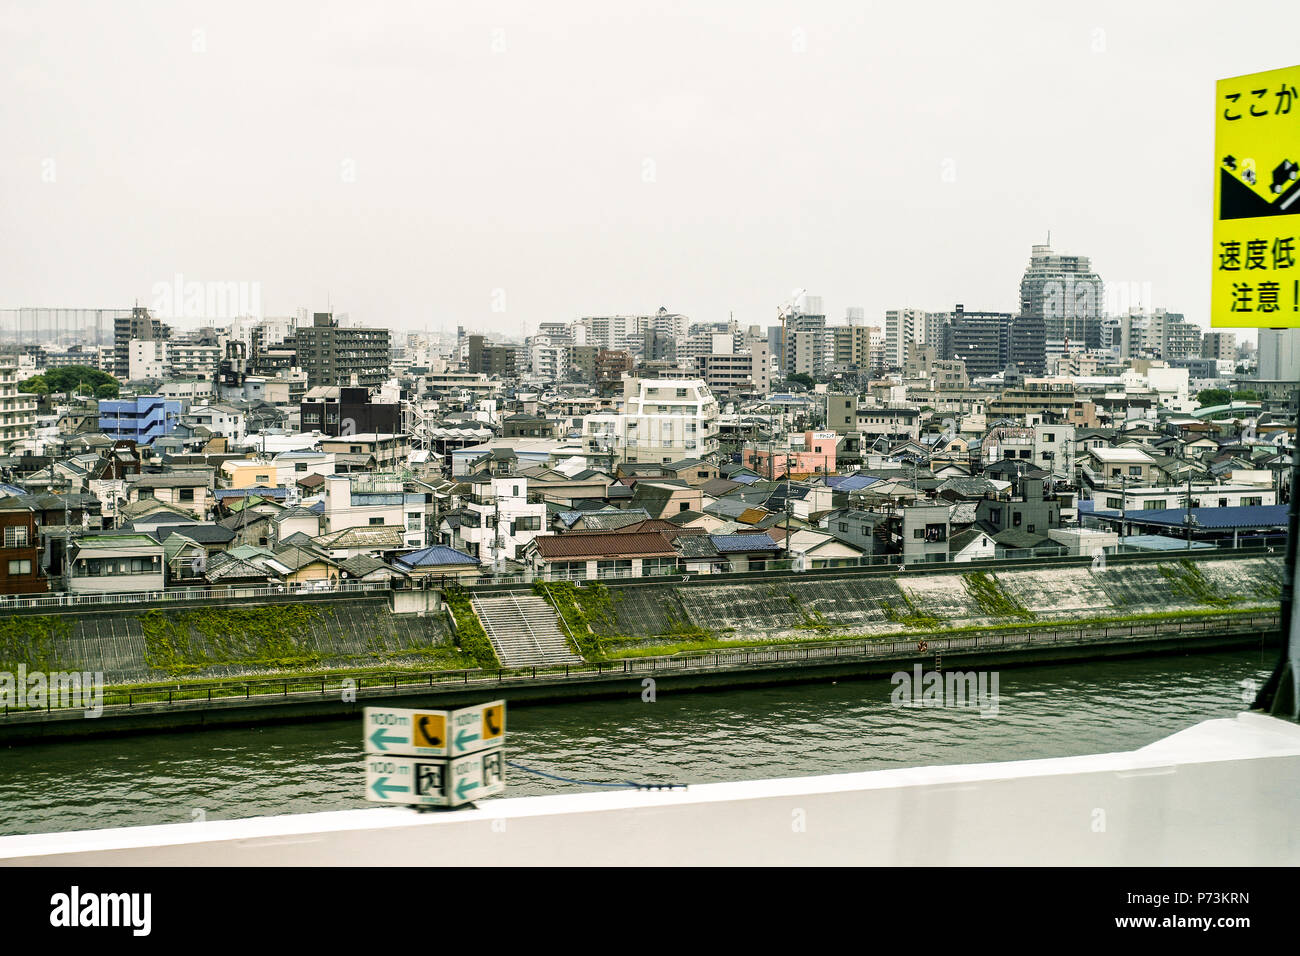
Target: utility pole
x,y
1189,509
1123,503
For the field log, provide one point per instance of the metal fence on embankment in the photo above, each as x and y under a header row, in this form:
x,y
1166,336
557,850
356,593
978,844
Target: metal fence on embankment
x,y
271,690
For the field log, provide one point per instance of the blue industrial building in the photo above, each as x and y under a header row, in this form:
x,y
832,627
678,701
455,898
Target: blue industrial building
x,y
140,419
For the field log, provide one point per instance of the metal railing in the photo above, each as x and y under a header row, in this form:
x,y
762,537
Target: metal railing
x,y
921,645
882,561
71,600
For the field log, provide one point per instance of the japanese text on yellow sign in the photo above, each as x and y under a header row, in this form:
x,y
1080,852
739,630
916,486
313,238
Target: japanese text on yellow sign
x,y
1257,201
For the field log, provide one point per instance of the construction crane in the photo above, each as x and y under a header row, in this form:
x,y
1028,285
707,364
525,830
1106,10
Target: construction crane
x,y
782,313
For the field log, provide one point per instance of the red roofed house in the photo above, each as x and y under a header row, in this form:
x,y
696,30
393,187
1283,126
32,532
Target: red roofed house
x,y
595,555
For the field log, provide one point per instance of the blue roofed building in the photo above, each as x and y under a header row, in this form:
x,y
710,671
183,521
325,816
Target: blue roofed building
x,y
746,552
437,561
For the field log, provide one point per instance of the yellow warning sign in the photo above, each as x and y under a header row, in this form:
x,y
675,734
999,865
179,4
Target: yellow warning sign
x,y
494,721
1256,280
429,730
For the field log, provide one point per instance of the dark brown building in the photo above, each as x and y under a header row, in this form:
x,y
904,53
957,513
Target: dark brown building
x,y
20,564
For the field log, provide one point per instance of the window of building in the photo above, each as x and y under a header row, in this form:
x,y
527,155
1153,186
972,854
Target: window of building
x,y
20,567
1015,518
376,521
15,537
187,494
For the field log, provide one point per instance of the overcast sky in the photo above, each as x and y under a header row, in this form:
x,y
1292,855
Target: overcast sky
x,y
423,165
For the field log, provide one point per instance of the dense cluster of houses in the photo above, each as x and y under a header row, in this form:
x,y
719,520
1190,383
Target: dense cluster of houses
x,y
522,492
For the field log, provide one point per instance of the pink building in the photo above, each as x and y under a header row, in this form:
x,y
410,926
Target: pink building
x,y
807,454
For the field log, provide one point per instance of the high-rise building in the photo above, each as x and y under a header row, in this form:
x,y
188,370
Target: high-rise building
x,y
851,347
805,347
1067,295
139,325
1279,355
1158,334
1221,346
982,340
903,327
17,411
332,354
626,331
483,357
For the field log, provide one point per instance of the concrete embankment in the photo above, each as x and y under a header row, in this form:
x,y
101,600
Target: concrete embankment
x,y
743,667
800,607
142,644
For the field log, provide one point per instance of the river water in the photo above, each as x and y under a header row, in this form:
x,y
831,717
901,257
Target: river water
x,y
797,730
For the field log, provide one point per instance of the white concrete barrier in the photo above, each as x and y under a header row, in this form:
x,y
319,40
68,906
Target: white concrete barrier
x,y
1221,793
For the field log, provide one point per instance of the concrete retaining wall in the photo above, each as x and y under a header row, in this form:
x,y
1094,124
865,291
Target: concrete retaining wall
x,y
818,607
140,646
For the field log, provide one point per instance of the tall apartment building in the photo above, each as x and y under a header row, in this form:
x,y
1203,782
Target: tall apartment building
x,y
482,357
194,355
17,411
1279,355
982,340
1158,334
731,372
903,327
1067,295
626,331
851,347
805,345
1221,346
332,354
139,325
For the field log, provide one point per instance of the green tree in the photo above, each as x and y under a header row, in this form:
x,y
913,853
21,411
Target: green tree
x,y
1246,395
36,385
1213,396
800,378
82,379
108,390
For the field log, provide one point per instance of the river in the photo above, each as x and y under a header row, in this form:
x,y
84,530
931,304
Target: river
x,y
796,730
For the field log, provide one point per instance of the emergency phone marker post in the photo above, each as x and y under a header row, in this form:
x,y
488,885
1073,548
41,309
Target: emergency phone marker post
x,y
435,758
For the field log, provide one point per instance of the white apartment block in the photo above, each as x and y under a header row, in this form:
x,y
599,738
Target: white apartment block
x,y
17,412
147,359
506,521
191,360
662,420
548,358
626,331
903,327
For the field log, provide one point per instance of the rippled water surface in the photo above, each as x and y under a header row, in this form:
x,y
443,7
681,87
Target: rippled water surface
x,y
681,738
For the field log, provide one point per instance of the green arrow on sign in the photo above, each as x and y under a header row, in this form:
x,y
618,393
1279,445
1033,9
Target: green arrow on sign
x,y
379,739
382,788
465,785
463,738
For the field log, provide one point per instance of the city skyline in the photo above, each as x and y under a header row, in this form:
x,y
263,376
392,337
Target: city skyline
x,y
464,168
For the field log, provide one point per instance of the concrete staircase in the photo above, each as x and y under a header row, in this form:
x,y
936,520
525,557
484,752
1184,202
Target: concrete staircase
x,y
524,630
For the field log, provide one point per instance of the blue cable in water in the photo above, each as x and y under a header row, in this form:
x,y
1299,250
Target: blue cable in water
x,y
593,783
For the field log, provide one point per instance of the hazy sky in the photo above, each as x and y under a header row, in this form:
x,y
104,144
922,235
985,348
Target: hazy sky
x,y
430,164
